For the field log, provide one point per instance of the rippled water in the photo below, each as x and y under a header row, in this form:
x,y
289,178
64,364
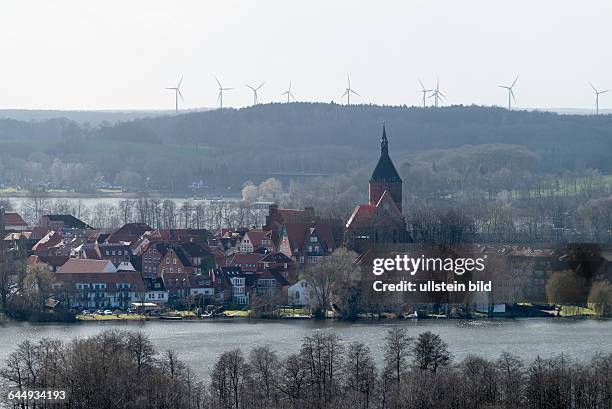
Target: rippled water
x,y
200,342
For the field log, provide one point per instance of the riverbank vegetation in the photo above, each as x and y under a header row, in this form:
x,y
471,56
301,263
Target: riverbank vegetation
x,y
120,370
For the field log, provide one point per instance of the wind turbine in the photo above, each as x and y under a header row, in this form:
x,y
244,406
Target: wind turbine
x,y
221,89
510,92
177,92
597,98
424,91
288,93
348,91
255,89
437,94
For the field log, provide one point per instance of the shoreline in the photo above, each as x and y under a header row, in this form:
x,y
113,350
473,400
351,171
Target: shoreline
x,y
359,320
108,195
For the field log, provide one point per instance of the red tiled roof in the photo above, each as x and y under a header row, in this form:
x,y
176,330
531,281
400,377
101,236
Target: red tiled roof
x,y
14,219
296,232
291,213
17,236
76,265
110,279
247,261
49,240
361,216
257,235
39,232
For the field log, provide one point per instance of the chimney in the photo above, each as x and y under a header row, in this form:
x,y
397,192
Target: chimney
x,y
309,212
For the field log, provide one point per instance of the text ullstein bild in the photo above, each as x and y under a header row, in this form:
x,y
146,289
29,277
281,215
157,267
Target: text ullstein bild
x,y
411,265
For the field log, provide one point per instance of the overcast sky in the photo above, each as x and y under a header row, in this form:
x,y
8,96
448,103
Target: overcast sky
x,y
122,54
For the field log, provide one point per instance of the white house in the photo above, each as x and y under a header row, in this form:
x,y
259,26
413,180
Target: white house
x,y
299,293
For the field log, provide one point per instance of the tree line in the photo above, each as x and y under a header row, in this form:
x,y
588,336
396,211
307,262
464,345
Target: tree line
x,y
225,148
117,370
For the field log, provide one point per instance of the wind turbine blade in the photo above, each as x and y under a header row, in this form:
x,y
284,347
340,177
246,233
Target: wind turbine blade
x,y
260,85
170,88
181,95
441,94
354,92
345,92
254,89
592,86
515,80
217,79
219,96
512,93
422,86
180,82
602,92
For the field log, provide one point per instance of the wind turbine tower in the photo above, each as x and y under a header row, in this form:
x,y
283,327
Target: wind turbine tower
x,y
288,93
255,89
221,89
177,93
348,91
424,91
597,93
437,95
510,92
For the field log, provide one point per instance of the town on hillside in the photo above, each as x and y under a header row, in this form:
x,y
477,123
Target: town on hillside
x,y
284,267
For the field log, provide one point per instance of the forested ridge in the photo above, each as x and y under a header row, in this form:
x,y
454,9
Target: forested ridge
x,y
225,148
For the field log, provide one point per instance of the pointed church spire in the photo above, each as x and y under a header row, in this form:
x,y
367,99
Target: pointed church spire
x,y
385,170
384,143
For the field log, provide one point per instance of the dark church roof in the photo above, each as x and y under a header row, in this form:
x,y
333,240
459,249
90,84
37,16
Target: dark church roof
x,y
385,170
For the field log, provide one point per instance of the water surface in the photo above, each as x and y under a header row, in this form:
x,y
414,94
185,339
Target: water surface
x,y
200,342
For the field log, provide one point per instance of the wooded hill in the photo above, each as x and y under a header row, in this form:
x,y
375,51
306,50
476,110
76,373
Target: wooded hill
x,y
225,148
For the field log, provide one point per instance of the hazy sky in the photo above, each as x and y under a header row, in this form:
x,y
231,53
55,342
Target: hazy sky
x,y
122,54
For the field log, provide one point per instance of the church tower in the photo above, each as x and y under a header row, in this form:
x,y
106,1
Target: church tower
x,y
385,177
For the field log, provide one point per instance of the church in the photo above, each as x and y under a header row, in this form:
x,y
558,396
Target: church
x,y
380,221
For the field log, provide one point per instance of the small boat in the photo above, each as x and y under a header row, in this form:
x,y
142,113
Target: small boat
x,y
298,317
412,315
171,317
209,315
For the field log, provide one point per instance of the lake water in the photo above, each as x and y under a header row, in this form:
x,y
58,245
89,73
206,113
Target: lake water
x,y
199,343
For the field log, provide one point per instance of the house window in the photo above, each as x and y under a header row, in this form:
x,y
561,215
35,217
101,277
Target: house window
x,y
313,239
297,295
178,270
167,261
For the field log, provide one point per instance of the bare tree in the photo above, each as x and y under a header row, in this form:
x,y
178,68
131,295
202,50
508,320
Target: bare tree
x,y
397,350
431,352
327,278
